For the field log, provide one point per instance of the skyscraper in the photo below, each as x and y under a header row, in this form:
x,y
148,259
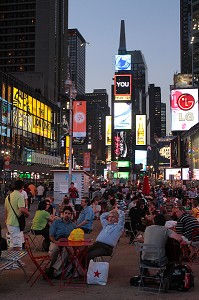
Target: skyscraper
x,y
77,53
154,112
189,38
33,44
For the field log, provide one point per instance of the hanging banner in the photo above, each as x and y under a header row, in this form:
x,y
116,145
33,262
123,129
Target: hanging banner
x,y
79,118
86,161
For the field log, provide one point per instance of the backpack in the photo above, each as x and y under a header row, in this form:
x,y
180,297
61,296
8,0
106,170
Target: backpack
x,y
182,278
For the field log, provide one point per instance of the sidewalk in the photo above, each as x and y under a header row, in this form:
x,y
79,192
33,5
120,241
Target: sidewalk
x,y
122,267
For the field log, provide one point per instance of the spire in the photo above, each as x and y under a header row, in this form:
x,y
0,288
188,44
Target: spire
x,y
122,45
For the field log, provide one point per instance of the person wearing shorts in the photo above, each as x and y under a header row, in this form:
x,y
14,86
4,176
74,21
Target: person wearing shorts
x,y
18,205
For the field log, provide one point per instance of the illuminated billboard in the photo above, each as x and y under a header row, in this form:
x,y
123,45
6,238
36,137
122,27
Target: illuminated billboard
x,y
174,173
140,130
184,109
182,80
30,114
124,175
108,131
185,173
141,158
122,62
120,144
122,116
79,119
195,174
122,87
123,164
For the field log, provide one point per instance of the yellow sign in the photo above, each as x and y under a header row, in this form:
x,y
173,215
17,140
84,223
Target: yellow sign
x,y
67,150
141,130
30,114
108,130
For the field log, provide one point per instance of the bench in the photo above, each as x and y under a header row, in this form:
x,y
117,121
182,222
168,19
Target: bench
x,y
9,257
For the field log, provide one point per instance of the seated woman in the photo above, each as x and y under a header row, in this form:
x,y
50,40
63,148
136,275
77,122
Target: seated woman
x,y
40,221
96,207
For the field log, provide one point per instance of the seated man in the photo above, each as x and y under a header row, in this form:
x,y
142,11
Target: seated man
x,y
60,228
157,235
86,217
112,227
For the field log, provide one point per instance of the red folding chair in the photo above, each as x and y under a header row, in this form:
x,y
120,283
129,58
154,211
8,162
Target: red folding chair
x,y
41,263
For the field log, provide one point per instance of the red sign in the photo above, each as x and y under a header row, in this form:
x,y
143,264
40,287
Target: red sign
x,y
186,101
87,161
79,119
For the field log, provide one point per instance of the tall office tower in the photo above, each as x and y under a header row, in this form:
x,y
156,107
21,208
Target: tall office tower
x,y
154,112
33,43
185,36
189,36
97,110
77,57
163,119
129,98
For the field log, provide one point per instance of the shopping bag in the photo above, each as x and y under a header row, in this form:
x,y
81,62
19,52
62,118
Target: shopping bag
x,y
97,272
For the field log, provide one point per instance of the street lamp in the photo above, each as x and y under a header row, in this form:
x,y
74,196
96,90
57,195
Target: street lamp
x,y
84,43
72,94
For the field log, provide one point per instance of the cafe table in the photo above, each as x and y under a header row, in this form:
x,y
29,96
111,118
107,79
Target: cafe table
x,y
75,269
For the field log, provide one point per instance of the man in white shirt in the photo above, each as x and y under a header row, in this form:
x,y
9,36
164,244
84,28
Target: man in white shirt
x,y
40,191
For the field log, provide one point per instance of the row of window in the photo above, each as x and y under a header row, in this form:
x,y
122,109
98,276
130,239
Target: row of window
x,y
18,38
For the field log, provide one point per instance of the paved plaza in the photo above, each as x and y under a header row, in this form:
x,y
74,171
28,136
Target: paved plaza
x,y
122,267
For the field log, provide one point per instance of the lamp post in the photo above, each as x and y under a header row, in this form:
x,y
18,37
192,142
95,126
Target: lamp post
x,y
72,94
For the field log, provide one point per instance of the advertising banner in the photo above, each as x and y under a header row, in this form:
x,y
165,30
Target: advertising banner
x,y
141,158
87,161
30,114
120,144
184,109
122,116
164,153
140,130
122,87
122,62
108,130
79,118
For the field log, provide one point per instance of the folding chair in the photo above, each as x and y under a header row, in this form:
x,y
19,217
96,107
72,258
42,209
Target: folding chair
x,y
153,272
41,263
129,230
195,243
36,240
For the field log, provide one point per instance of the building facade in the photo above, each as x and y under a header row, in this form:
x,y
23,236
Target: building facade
x,y
189,38
77,58
154,112
29,131
33,43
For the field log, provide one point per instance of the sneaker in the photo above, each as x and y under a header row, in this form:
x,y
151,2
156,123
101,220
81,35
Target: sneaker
x,y
22,263
12,267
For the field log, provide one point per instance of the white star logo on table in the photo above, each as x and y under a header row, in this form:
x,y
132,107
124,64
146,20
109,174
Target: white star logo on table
x,y
96,274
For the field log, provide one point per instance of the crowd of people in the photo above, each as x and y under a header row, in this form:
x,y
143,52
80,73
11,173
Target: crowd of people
x,y
174,211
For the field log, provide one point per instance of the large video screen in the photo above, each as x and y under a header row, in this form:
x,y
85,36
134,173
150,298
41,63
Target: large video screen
x,y
141,158
175,172
122,116
122,62
184,109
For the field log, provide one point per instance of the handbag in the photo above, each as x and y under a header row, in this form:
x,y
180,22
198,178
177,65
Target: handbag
x,y
21,219
97,272
76,194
